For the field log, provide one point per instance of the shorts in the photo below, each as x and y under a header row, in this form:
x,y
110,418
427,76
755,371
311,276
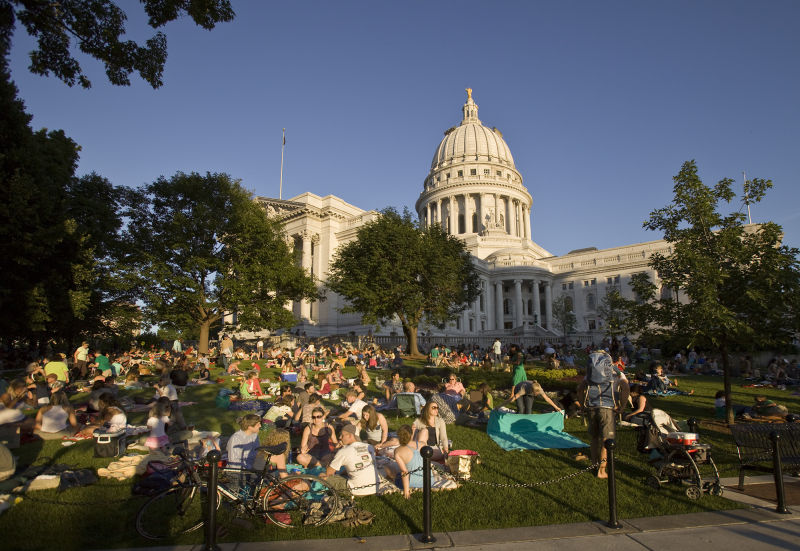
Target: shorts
x,y
601,423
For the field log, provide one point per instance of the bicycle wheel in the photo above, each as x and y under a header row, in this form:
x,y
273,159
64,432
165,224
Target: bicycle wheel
x,y
299,500
175,511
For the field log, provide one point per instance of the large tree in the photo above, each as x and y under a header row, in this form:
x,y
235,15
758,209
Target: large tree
x,y
200,247
733,286
96,28
395,268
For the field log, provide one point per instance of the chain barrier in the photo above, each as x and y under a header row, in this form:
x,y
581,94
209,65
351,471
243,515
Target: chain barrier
x,y
520,484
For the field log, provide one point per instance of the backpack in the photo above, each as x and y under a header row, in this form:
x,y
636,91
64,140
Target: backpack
x,y
600,372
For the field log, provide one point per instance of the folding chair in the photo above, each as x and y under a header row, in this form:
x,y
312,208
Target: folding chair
x,y
406,407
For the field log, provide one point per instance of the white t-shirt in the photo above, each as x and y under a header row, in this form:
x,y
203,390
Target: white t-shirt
x,y
357,460
357,407
497,347
158,426
168,391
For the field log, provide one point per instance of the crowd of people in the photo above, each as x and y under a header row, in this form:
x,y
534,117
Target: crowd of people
x,y
341,430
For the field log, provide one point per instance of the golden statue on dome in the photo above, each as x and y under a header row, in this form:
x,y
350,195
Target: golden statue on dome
x,y
469,93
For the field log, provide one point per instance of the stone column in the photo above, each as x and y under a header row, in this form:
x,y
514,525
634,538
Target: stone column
x,y
496,211
537,314
305,306
498,305
452,216
467,214
528,222
548,304
481,212
517,302
520,229
490,311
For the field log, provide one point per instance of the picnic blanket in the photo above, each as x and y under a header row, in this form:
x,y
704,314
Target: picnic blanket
x,y
512,431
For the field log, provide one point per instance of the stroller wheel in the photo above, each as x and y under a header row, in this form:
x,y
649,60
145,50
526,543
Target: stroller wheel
x,y
653,482
693,492
715,490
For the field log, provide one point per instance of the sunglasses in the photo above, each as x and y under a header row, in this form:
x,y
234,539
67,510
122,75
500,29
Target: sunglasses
x,y
316,416
434,407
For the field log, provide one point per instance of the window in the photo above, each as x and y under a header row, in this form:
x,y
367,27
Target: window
x,y
461,224
460,173
471,325
499,173
448,176
614,280
474,222
530,306
507,307
458,323
481,305
563,286
590,302
592,325
473,171
570,285
666,293
486,171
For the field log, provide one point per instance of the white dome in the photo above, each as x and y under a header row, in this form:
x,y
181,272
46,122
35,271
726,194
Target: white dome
x,y
471,141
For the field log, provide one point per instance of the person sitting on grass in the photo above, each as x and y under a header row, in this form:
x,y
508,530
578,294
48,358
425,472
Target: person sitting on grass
x,y
661,385
358,463
250,389
157,421
393,385
358,387
376,428
355,407
430,430
409,460
314,401
318,442
57,419
409,389
487,401
281,412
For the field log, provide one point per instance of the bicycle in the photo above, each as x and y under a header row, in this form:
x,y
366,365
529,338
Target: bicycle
x,y
287,502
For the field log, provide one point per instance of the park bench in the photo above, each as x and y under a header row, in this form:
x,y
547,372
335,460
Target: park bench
x,y
754,447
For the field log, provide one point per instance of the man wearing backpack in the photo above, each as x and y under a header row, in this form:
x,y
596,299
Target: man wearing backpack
x,y
604,394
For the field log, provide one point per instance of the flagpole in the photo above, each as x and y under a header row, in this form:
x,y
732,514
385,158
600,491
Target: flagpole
x,y
746,198
283,144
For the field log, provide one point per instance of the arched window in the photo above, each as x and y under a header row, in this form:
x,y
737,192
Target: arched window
x,y
590,302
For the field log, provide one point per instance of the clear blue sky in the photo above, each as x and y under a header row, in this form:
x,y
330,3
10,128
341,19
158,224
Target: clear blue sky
x,y
600,102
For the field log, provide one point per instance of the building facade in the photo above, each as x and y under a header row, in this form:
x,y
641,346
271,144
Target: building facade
x,y
475,192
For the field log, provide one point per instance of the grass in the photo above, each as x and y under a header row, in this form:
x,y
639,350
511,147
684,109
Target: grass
x,y
102,515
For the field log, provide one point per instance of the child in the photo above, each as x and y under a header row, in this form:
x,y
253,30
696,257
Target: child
x,y
157,423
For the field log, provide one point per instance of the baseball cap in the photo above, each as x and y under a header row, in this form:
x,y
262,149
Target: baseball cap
x,y
349,427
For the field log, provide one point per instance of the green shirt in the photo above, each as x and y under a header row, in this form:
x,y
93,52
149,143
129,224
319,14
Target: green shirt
x,y
59,368
102,363
519,375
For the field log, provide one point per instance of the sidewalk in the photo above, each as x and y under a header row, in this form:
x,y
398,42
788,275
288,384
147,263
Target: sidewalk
x,y
756,528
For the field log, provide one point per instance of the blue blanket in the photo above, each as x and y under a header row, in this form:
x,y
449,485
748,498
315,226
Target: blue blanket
x,y
512,431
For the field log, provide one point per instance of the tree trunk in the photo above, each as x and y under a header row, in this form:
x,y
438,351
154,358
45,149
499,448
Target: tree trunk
x,y
411,338
726,381
202,343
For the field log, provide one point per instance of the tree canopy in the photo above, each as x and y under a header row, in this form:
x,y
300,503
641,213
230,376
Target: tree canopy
x,y
96,28
395,268
732,286
200,246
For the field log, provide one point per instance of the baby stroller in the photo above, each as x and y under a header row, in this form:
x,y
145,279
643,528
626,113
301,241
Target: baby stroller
x,y
677,456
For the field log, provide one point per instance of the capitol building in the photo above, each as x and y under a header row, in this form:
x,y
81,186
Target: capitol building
x,y
476,193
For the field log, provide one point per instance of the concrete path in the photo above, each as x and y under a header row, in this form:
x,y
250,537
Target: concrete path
x,y
757,528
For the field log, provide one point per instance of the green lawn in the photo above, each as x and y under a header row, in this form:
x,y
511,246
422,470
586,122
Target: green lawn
x,y
102,515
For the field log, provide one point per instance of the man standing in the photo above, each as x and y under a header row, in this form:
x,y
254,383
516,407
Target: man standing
x,y
497,353
80,359
602,396
260,349
226,351
177,347
356,459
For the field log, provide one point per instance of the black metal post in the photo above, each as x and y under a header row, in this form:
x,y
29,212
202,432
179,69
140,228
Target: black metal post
x,y
612,484
213,459
427,535
778,468
693,425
